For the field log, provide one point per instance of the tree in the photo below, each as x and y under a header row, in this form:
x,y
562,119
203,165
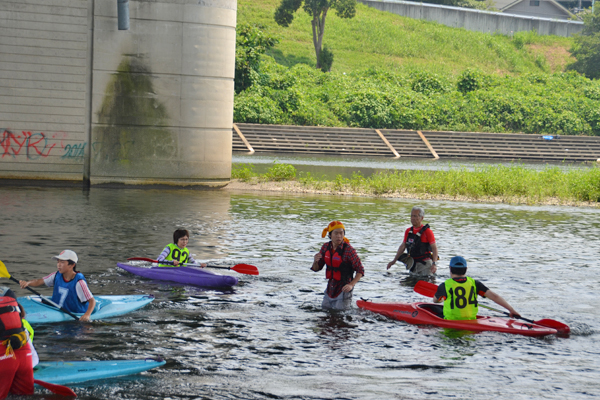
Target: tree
x,y
586,48
317,9
251,43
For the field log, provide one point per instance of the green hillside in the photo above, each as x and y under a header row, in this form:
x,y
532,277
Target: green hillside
x,y
384,40
398,73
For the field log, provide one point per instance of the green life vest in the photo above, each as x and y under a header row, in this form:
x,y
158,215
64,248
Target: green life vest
x,y
461,303
175,253
27,326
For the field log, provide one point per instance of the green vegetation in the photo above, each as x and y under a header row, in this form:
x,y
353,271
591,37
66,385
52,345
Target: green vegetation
x,y
560,103
586,48
250,44
399,73
277,173
399,45
317,10
504,183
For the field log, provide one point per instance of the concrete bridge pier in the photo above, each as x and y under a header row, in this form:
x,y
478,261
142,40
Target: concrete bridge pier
x,y
163,93
82,100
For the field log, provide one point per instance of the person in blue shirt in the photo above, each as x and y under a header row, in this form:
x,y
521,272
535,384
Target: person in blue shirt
x,y
70,287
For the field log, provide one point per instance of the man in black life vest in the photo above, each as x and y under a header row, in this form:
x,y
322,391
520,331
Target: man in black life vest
x,y
419,242
342,262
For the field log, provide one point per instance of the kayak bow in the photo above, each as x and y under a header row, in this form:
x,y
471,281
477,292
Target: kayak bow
x,y
65,372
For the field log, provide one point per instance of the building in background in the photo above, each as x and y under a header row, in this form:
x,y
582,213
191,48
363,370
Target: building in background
x,y
534,8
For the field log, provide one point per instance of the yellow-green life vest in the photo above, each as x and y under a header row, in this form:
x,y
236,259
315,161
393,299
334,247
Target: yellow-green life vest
x,y
461,301
27,326
175,253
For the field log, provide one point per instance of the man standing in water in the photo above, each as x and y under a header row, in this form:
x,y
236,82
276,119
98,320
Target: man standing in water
x,y
420,245
342,262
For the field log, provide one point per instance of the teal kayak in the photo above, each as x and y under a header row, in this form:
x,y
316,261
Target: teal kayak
x,y
106,307
64,372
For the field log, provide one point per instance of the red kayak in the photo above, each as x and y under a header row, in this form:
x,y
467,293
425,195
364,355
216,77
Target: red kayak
x,y
431,314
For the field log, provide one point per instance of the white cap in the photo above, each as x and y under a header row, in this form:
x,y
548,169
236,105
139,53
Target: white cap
x,y
66,255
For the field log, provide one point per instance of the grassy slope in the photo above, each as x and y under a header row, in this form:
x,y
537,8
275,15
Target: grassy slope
x,y
388,41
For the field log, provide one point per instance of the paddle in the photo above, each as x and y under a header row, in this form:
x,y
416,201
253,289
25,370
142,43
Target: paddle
x,y
241,268
429,289
57,389
4,274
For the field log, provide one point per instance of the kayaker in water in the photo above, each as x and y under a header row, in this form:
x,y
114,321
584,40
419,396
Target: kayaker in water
x,y
177,251
419,243
459,293
16,371
70,287
342,262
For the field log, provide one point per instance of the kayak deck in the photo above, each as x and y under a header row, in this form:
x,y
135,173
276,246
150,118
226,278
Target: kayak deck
x,y
106,306
185,275
65,372
430,314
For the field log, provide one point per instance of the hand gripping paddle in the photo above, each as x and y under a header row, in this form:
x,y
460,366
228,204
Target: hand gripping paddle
x,y
4,274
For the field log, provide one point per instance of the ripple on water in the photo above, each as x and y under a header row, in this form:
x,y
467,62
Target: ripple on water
x,y
268,337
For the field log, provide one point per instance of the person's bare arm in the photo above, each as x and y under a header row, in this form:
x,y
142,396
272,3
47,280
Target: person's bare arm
x,y
34,283
398,254
500,301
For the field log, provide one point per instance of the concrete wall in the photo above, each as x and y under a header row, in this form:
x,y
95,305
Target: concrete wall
x,y
476,20
151,105
43,50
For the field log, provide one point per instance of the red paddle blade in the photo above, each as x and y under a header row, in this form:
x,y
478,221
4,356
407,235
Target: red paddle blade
x,y
57,389
426,288
563,329
245,269
141,259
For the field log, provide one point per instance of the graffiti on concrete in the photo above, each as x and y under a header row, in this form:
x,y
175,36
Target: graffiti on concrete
x,y
38,145
34,145
74,150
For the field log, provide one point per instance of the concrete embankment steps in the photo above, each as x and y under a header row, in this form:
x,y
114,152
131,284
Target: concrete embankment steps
x,y
367,142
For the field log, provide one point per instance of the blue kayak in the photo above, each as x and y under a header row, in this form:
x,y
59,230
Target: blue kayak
x,y
106,307
65,372
185,275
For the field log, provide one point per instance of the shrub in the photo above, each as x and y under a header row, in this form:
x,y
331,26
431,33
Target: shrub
x,y
280,172
427,83
471,80
586,48
243,172
326,59
254,107
250,43
369,109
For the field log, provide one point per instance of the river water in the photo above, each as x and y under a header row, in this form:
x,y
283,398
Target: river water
x,y
268,338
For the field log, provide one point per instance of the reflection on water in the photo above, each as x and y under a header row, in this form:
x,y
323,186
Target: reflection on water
x,y
268,337
327,167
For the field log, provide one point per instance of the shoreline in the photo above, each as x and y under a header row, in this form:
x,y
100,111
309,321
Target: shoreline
x,y
297,188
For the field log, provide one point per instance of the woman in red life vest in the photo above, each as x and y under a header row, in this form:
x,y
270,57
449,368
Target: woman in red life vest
x,y
342,262
16,372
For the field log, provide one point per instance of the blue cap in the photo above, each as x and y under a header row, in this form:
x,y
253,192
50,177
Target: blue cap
x,y
458,262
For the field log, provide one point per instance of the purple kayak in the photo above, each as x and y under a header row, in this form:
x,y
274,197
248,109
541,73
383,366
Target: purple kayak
x,y
186,275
